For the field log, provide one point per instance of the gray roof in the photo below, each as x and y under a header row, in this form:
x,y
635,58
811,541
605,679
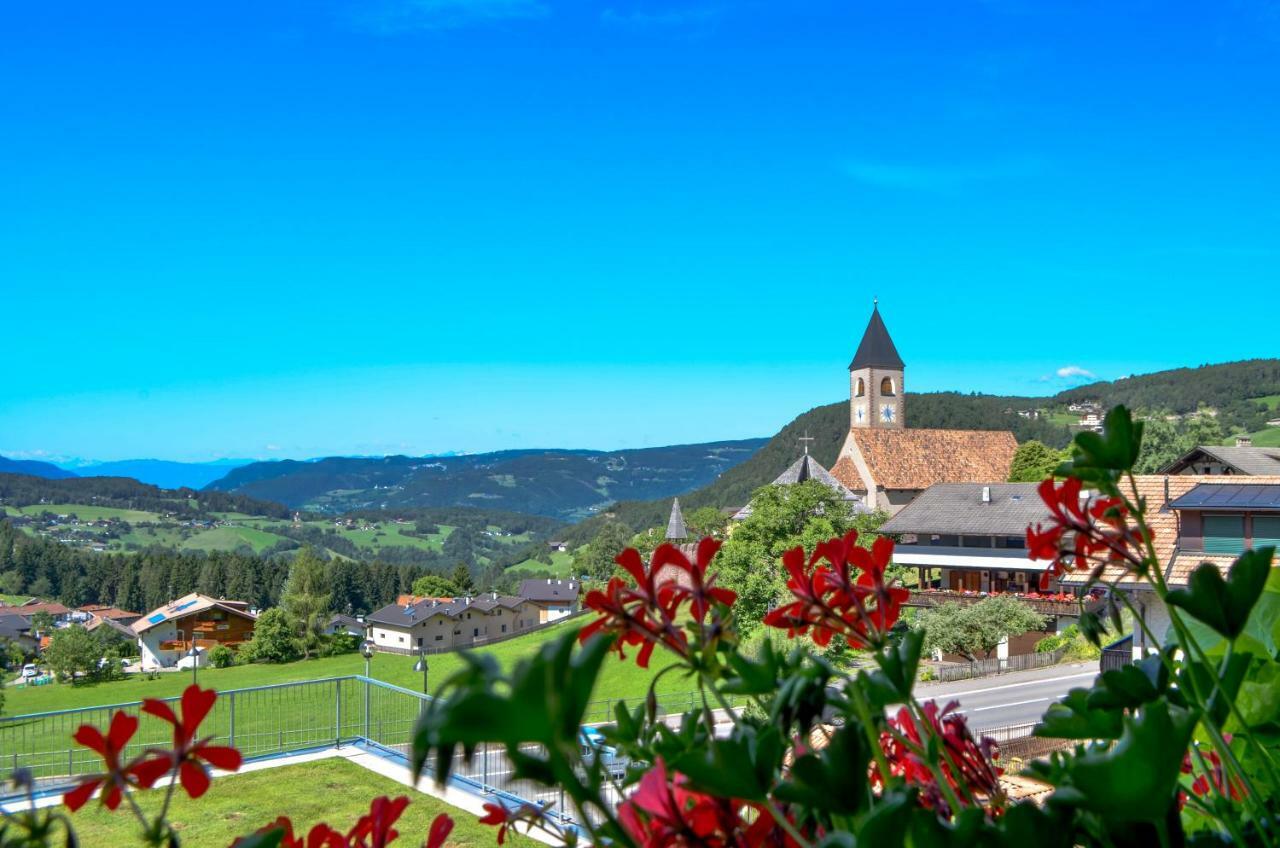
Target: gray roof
x,y
550,591
346,621
1254,461
808,468
14,626
400,615
675,524
958,508
876,349
114,626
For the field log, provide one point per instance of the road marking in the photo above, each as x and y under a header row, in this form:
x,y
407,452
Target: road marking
x,y
1005,706
929,694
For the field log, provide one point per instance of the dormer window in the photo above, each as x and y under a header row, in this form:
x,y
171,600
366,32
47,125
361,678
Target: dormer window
x,y
1223,534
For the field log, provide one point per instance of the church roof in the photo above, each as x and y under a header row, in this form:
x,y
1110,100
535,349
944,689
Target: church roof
x,y
917,459
675,525
876,349
808,468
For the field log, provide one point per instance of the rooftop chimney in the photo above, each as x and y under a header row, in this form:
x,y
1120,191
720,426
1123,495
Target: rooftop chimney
x,y
986,494
1244,442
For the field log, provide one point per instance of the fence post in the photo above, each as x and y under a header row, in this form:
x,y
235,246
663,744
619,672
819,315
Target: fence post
x,y
366,710
231,721
484,782
337,713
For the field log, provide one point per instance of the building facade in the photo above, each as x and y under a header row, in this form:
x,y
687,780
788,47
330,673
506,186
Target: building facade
x,y
169,633
441,624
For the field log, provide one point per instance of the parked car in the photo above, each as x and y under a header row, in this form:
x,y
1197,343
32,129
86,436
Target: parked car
x,y
29,670
594,746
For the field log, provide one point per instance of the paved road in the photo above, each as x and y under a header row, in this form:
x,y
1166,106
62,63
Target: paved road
x,y
1009,699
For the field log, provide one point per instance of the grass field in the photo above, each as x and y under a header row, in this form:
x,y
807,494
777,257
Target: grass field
x,y
334,791
96,513
618,680
1268,438
561,566
229,538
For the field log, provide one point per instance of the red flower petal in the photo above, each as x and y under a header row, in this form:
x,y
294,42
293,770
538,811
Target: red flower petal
x,y
218,756
440,829
92,738
194,779
196,703
78,797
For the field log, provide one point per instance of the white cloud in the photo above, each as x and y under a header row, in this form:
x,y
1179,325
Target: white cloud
x,y
398,16
1075,372
272,447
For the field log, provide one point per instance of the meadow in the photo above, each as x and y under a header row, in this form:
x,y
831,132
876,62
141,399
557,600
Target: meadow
x,y
332,790
619,680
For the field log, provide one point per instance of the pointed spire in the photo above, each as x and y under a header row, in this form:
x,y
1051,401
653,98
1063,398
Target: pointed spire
x,y
876,349
676,531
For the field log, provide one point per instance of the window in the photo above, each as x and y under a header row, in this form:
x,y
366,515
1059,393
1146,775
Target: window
x,y
419,641
475,632
439,637
1266,531
886,386
1224,534
504,628
401,638
861,390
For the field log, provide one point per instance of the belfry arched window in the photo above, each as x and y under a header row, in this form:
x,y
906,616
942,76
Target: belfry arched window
x,y
861,389
886,387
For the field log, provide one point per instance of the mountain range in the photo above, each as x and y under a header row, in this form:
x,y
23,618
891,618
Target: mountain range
x,y
564,484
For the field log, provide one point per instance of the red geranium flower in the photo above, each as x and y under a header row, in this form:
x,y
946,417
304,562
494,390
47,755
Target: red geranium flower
x,y
374,830
831,600
320,836
645,614
1080,531
190,755
441,827
496,814
117,777
968,764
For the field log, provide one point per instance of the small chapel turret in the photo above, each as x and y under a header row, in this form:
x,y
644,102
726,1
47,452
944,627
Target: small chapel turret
x,y
875,379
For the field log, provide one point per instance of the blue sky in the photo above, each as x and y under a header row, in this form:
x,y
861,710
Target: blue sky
x,y
305,228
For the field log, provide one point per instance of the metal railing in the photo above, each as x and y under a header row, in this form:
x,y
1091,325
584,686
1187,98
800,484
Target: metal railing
x,y
272,721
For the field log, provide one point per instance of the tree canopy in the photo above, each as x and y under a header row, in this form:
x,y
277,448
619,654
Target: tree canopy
x,y
970,630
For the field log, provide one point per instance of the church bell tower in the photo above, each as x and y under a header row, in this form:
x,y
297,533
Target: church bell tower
x,y
875,379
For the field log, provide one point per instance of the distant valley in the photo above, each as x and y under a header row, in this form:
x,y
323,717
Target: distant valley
x,y
564,484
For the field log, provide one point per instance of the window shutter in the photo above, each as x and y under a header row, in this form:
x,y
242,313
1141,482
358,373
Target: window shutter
x,y
1266,531
1224,534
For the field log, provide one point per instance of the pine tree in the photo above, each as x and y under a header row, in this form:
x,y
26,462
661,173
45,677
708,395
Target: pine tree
x,y
306,596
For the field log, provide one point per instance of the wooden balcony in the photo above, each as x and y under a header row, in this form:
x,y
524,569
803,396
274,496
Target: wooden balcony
x,y
1045,605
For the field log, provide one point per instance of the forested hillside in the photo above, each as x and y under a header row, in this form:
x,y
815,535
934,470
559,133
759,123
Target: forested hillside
x,y
19,490
33,468
1227,388
828,425
564,484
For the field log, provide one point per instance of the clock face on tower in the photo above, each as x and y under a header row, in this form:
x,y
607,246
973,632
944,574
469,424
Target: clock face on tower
x,y
886,413
860,413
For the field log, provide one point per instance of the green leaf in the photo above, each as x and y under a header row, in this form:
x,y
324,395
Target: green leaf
x,y
742,766
753,678
1224,605
893,682
1133,780
1115,449
833,779
1130,686
1259,696
1073,718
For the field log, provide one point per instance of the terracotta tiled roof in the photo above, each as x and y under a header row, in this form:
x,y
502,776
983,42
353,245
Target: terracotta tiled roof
x,y
1159,490
916,459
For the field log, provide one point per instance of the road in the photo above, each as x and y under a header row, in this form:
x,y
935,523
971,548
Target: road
x,y
1011,699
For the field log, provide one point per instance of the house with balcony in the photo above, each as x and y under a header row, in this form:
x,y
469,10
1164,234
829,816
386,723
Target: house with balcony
x,y
967,541
193,622
1194,519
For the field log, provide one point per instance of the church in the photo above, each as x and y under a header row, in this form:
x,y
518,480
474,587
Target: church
x,y
885,463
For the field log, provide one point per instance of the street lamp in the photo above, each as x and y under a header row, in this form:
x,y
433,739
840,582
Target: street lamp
x,y
195,661
421,665
366,648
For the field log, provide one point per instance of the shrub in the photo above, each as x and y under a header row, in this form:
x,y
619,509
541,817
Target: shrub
x,y
222,657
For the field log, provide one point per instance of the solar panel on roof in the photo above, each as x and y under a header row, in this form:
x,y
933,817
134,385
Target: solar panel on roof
x,y
157,618
1231,496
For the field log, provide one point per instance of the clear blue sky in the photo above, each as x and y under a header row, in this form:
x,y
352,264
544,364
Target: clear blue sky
x,y
304,228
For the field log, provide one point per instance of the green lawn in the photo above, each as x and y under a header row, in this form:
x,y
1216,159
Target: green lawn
x,y
229,538
96,513
13,599
1268,438
334,791
619,679
561,566
1272,401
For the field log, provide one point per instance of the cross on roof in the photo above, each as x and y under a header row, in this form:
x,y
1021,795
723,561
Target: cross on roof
x,y
804,440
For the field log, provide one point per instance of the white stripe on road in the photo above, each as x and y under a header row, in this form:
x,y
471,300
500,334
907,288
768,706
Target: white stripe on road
x,y
1005,706
1024,683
